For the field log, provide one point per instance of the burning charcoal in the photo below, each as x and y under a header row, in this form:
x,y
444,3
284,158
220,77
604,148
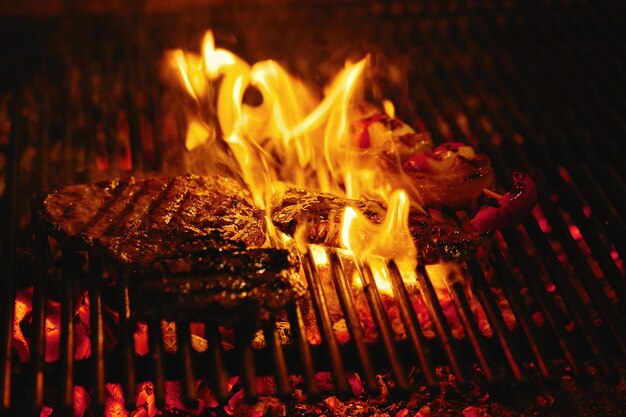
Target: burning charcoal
x,y
321,214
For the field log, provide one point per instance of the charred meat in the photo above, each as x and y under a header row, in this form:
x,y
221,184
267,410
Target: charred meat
x,y
192,244
201,281
137,220
320,214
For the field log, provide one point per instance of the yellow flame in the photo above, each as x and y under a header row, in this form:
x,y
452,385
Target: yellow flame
x,y
189,68
293,136
197,134
391,239
389,108
320,257
381,277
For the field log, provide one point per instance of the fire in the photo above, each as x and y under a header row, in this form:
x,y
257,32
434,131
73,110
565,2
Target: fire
x,y
295,137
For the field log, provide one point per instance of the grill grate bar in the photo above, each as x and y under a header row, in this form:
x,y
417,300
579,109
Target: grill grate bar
x,y
129,387
304,349
326,326
155,337
573,251
382,325
281,374
39,320
97,329
471,330
67,330
569,197
573,302
502,277
247,368
441,325
7,309
352,320
188,380
412,326
548,311
496,322
219,377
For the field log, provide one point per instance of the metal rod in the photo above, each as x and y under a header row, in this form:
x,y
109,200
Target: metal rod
x,y
156,351
472,332
502,277
247,368
353,322
326,326
442,327
412,326
97,330
545,304
7,264
500,330
38,345
188,381
573,302
129,383
281,374
67,330
219,376
304,349
383,326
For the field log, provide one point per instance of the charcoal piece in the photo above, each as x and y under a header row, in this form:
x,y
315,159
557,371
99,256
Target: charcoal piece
x,y
213,283
137,220
321,214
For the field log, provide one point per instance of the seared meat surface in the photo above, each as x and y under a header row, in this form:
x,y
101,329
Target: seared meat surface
x,y
201,281
193,244
137,220
321,214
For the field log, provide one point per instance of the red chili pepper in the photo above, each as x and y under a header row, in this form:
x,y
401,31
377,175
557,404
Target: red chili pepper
x,y
513,207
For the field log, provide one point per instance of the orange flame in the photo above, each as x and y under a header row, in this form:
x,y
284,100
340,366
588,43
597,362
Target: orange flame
x,y
292,137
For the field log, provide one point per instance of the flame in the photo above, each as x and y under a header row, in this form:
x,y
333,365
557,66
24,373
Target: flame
x,y
391,239
294,136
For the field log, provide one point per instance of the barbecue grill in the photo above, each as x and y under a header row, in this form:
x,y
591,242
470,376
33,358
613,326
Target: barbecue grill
x,y
538,86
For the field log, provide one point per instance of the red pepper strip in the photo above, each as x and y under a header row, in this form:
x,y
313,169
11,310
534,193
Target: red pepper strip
x,y
513,207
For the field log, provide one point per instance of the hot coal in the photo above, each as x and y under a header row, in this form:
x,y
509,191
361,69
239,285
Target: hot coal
x,y
137,220
321,213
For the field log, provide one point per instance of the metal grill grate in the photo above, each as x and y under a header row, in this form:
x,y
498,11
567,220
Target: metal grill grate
x,y
536,86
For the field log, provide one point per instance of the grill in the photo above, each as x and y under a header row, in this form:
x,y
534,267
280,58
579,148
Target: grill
x,y
535,86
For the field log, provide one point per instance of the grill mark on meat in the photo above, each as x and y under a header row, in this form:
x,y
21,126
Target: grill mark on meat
x,y
135,207
117,191
171,203
109,215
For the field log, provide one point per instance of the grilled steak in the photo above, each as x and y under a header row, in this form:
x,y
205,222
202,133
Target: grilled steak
x,y
201,281
135,221
192,243
321,214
